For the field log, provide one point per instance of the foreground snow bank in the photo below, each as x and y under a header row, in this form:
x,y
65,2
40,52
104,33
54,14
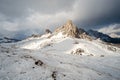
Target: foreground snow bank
x,y
52,59
21,64
63,44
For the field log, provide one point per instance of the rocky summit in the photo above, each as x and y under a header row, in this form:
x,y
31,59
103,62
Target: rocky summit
x,y
68,29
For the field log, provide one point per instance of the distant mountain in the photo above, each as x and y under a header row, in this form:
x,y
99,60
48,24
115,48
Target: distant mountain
x,y
112,30
8,40
103,37
71,30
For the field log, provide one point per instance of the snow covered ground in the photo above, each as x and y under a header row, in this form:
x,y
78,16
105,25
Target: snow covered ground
x,y
59,58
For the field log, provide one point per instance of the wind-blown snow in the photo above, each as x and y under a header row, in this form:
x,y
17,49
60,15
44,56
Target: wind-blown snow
x,y
52,59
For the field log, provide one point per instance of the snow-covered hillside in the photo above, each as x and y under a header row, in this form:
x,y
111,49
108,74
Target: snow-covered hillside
x,y
61,43
59,58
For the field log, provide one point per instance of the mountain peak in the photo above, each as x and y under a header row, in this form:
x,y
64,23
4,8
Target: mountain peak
x,y
68,29
69,22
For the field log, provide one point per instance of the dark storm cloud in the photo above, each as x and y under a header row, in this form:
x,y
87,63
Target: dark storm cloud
x,y
100,12
91,12
21,15
18,8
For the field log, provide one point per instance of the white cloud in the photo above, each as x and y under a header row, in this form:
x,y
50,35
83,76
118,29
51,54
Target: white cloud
x,y
9,26
41,14
45,20
33,22
114,28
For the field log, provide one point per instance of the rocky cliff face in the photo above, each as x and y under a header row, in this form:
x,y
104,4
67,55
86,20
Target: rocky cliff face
x,y
71,30
47,31
68,29
85,36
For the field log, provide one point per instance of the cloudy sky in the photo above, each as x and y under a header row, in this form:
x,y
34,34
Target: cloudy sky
x,y
24,17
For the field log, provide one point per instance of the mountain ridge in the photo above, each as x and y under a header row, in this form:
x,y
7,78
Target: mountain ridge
x,y
59,57
69,29
103,37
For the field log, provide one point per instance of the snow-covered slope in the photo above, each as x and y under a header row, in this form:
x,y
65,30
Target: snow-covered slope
x,y
59,58
68,53
67,45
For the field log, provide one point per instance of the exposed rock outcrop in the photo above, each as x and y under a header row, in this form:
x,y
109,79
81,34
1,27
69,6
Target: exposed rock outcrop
x,y
85,36
35,35
68,29
81,31
47,31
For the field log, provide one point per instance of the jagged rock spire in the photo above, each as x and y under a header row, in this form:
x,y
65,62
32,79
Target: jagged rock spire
x,y
71,30
68,29
69,22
